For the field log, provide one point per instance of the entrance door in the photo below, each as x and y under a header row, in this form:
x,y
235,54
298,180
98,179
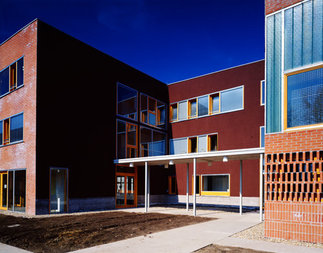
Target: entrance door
x,y
4,190
126,190
58,190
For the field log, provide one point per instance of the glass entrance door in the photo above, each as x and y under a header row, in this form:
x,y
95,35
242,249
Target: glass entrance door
x,y
126,190
4,190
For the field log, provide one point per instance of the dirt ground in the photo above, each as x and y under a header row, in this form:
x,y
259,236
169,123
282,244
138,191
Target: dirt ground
x,y
72,232
224,249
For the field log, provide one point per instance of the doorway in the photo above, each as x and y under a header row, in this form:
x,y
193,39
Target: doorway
x,y
4,190
126,190
58,199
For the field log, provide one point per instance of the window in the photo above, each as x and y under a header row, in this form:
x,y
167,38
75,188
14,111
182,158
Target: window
x,y
214,103
127,102
202,143
203,104
172,185
215,185
192,145
262,136
152,111
17,190
213,142
304,98
197,186
182,110
192,112
126,140
232,99
178,146
11,129
262,92
12,77
173,112
152,143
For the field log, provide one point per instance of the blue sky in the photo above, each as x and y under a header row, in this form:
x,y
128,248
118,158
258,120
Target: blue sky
x,y
170,40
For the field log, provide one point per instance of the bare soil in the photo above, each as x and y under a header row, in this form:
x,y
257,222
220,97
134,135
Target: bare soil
x,y
214,248
72,232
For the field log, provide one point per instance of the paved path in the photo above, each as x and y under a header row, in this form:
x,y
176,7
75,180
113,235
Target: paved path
x,y
4,248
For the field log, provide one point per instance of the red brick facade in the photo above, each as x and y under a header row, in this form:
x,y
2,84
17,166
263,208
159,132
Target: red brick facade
x,y
275,5
22,155
294,185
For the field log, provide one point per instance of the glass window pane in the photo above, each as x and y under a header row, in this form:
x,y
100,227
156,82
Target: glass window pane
x,y
152,104
216,183
192,105
4,81
10,191
152,118
215,103
20,72
232,99
263,92
182,110
159,144
131,135
203,106
202,144
16,128
58,190
305,98
178,146
262,136
161,114
145,141
143,108
127,102
20,190
174,112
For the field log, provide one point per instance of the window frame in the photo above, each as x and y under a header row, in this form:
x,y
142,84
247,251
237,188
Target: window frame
x,y
209,142
137,102
126,139
152,138
15,86
211,103
3,144
170,192
189,109
171,112
262,92
215,193
262,127
285,105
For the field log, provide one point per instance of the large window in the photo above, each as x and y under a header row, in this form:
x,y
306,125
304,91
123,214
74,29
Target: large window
x,y
11,129
12,77
232,99
126,140
216,185
219,102
127,101
152,143
17,190
152,111
304,98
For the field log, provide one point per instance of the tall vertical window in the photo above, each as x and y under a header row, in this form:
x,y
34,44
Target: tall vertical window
x,y
127,101
213,142
232,99
192,145
203,106
161,114
215,103
182,110
304,98
202,141
192,109
262,136
173,112
17,190
262,92
126,140
12,77
11,129
143,108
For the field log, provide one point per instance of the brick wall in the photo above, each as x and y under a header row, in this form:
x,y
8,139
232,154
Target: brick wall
x,y
22,155
275,5
294,185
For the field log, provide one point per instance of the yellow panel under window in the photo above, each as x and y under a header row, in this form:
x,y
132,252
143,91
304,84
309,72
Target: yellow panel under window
x,y
215,193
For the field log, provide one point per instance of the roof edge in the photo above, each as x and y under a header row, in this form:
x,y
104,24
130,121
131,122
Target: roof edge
x,y
217,71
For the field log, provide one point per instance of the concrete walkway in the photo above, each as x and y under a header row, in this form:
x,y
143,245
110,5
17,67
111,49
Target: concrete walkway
x,y
193,237
4,248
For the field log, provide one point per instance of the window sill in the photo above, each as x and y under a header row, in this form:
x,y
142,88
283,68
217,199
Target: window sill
x,y
301,128
11,91
209,193
12,143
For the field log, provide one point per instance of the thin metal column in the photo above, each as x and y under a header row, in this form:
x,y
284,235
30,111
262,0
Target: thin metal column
x,y
261,187
194,186
240,209
148,190
187,187
146,186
